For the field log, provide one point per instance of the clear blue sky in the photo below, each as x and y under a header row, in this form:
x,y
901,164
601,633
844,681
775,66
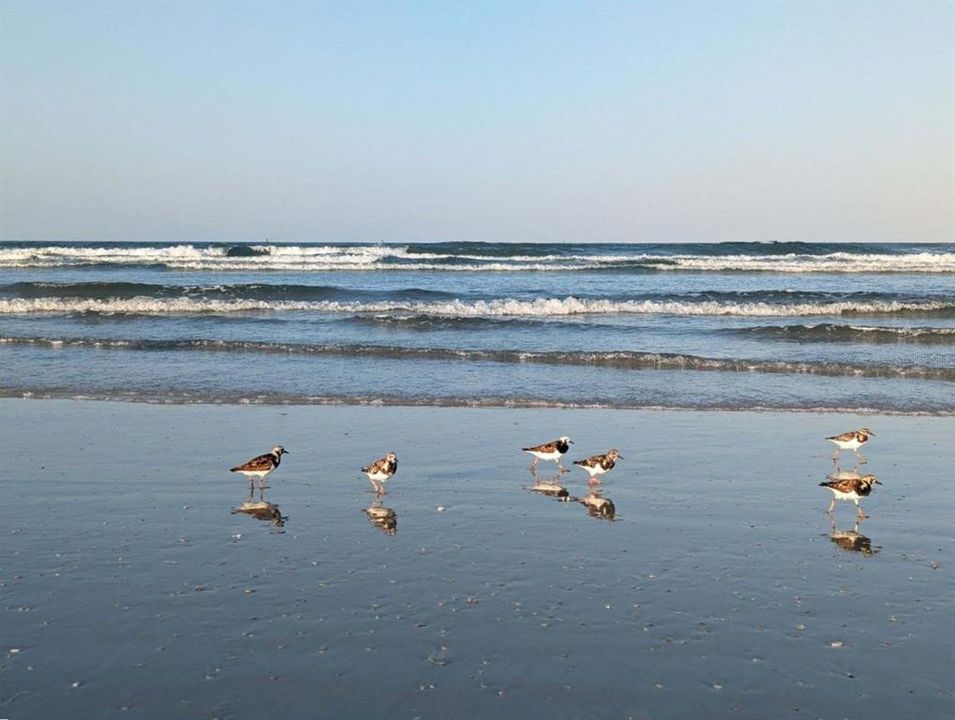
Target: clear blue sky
x,y
478,121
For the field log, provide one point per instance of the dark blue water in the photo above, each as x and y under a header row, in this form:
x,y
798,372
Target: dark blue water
x,y
739,325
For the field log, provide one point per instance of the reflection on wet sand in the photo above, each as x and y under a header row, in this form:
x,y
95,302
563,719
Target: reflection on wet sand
x,y
261,509
598,506
852,540
383,518
550,487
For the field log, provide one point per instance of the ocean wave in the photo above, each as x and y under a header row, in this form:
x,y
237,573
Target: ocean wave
x,y
494,257
109,290
619,360
831,332
246,291
502,307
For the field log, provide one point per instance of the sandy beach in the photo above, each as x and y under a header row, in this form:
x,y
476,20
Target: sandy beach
x,y
130,589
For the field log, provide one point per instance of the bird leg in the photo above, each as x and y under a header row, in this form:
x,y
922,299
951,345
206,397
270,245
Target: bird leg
x,y
832,504
860,513
533,465
562,468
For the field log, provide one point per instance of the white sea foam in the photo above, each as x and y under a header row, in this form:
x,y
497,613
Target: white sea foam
x,y
313,258
504,307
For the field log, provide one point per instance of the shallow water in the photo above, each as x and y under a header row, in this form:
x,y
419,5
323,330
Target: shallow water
x,y
129,589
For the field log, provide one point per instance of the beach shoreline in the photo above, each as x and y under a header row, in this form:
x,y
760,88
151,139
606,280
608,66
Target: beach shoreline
x,y
720,588
252,399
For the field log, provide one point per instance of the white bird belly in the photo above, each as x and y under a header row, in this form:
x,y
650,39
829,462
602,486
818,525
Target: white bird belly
x,y
255,473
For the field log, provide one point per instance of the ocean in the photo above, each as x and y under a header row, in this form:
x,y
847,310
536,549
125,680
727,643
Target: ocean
x,y
783,326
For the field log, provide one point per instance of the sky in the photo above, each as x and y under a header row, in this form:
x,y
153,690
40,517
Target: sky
x,y
496,121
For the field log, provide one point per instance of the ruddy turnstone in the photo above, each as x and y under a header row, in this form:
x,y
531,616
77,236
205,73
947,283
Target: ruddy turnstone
x,y
553,450
380,470
599,464
849,486
261,466
850,440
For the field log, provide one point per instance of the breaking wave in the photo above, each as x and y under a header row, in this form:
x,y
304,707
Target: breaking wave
x,y
491,257
502,307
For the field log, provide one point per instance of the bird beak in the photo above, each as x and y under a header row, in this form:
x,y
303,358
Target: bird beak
x,y
877,482
571,442
619,457
285,452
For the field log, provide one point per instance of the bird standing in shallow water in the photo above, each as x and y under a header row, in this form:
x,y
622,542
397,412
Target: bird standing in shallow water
x,y
261,466
851,441
599,464
849,486
554,450
380,470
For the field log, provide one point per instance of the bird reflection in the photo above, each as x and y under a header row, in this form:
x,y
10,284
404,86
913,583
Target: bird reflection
x,y
549,486
261,509
852,540
383,518
598,506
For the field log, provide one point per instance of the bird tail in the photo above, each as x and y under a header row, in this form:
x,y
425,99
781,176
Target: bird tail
x,y
235,469
366,469
825,484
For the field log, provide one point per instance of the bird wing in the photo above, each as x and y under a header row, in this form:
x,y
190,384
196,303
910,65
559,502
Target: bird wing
x,y
262,462
377,466
589,462
545,448
844,437
846,485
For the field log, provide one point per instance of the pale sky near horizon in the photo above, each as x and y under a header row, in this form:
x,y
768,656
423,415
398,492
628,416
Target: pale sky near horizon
x,y
403,122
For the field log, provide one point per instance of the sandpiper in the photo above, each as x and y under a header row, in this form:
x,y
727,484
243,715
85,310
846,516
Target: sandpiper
x,y
380,470
261,466
852,440
553,450
599,464
849,486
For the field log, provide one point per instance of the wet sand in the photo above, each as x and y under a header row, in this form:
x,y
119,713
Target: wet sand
x,y
719,589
